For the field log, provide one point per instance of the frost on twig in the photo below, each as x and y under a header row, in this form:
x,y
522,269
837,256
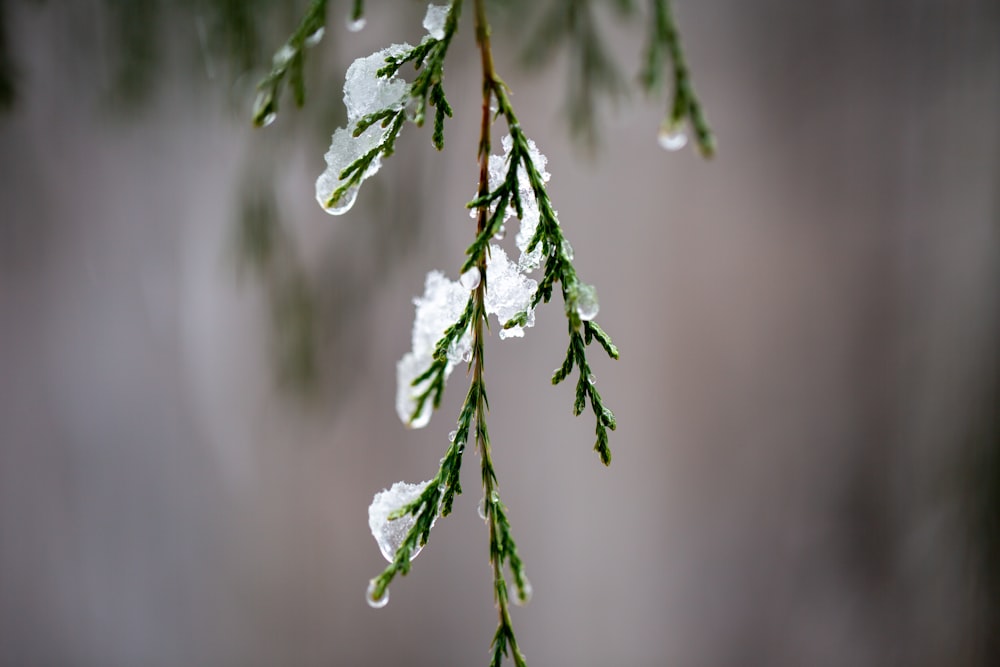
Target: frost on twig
x,y
442,318
377,100
374,118
443,303
389,528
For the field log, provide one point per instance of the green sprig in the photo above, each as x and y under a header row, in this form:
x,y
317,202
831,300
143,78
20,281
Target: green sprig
x,y
288,61
428,60
664,41
558,268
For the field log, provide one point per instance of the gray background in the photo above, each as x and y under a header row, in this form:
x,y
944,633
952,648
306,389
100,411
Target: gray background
x,y
808,327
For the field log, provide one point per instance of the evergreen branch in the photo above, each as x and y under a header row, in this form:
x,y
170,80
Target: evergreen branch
x,y
558,265
436,498
288,61
354,173
428,60
502,547
664,41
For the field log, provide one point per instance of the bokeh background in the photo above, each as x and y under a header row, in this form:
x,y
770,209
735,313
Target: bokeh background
x,y
197,364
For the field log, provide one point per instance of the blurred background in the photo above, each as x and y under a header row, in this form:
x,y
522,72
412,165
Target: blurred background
x,y
197,364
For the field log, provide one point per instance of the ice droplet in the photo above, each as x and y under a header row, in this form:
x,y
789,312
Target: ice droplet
x,y
523,595
567,250
591,378
316,37
501,233
451,436
586,302
481,508
435,19
268,118
470,279
260,104
374,602
672,137
467,356
356,25
283,56
389,534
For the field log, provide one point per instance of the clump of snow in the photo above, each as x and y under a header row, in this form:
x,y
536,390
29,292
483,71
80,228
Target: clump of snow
x,y
365,93
498,167
441,305
390,534
344,150
435,19
508,291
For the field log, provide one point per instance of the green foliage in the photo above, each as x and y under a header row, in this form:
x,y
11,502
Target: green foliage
x,y
288,63
426,90
570,20
664,41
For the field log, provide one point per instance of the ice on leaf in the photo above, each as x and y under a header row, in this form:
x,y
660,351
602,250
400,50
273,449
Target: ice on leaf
x,y
435,19
508,291
344,150
498,167
390,533
584,300
365,93
441,305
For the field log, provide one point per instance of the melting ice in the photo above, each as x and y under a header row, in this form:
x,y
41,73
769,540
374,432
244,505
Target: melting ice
x,y
390,534
435,19
442,303
365,93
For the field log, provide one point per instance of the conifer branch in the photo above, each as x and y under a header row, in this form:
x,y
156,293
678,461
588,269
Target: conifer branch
x,y
664,41
289,61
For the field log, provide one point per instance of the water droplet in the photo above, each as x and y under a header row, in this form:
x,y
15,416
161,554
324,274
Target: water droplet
x,y
268,118
356,26
501,233
591,378
461,446
567,250
374,602
316,37
672,137
470,279
283,56
494,497
586,302
263,109
451,436
523,595
481,508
